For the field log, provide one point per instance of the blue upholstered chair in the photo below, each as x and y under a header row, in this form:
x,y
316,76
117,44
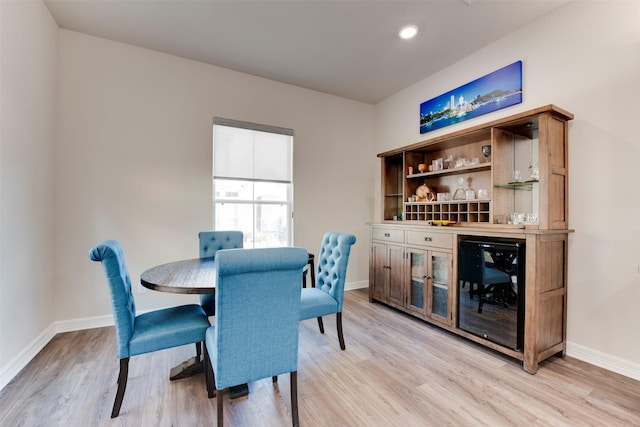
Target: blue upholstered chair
x,y
326,295
210,243
156,330
257,305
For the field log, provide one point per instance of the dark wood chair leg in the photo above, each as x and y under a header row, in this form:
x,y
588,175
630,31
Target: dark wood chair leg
x,y
122,385
312,270
294,398
209,375
198,351
320,325
274,379
219,404
339,325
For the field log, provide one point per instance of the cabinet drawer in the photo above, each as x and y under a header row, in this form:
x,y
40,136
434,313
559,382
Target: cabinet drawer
x,y
426,238
387,235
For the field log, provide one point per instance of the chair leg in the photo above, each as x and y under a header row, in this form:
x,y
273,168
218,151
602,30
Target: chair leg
x,y
339,326
122,385
219,404
274,379
208,374
293,376
320,325
481,293
198,350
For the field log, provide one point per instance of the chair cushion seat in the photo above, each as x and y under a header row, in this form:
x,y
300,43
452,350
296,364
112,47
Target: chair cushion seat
x,y
168,327
315,302
493,276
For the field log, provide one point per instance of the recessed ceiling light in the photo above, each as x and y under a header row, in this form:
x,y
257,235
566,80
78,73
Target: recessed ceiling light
x,y
408,32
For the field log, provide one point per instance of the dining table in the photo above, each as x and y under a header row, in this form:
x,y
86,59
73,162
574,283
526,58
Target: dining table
x,y
190,276
196,276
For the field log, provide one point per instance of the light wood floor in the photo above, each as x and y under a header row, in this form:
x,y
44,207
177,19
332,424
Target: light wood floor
x,y
396,371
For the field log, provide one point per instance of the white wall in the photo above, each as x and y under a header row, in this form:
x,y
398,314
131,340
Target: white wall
x,y
585,58
133,155
28,50
133,162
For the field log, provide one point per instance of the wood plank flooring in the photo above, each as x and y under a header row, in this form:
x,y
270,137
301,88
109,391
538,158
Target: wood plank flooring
x,y
396,371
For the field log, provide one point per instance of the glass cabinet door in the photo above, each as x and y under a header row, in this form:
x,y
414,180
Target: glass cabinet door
x,y
418,277
393,186
440,265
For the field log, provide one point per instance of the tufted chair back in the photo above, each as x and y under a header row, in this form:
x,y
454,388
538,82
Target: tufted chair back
x,y
210,243
332,264
257,310
111,255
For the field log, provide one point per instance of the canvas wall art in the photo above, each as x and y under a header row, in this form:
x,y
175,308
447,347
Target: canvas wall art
x,y
499,89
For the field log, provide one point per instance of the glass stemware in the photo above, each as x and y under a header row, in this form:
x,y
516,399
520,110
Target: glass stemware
x,y
486,152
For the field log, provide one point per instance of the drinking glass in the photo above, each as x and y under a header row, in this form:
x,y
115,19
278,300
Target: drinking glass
x,y
448,161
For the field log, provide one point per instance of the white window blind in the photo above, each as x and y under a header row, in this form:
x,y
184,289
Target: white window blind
x,y
253,154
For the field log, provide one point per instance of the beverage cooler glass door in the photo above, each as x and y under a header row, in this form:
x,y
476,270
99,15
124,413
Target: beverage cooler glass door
x,y
491,290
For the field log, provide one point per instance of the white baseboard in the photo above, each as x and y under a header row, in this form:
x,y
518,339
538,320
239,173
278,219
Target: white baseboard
x,y
15,365
603,360
86,323
356,285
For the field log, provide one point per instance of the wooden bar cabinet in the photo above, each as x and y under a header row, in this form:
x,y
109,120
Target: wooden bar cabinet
x,y
465,195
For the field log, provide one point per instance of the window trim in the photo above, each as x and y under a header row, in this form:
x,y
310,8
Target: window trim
x,y
252,126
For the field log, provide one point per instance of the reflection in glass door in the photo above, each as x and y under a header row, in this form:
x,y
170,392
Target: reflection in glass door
x,y
418,276
440,284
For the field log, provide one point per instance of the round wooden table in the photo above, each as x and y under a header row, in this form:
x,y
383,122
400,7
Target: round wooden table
x,y
191,276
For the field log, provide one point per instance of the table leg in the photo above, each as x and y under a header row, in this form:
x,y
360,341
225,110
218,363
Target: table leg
x,y
195,366
238,391
186,369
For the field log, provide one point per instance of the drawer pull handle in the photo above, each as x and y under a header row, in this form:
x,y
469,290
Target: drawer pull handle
x,y
428,239
387,235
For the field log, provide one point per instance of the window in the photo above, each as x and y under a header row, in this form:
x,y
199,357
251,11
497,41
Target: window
x,y
253,182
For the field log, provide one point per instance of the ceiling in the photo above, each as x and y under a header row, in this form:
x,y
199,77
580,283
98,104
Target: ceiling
x,y
345,48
